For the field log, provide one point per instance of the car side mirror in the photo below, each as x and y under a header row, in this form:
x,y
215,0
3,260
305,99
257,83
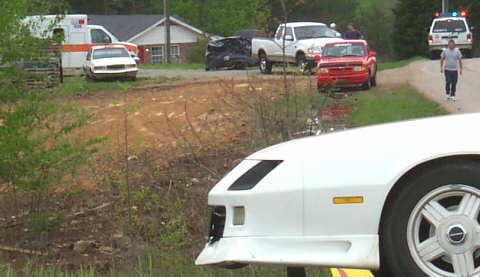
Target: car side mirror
x,y
472,28
289,37
372,54
317,58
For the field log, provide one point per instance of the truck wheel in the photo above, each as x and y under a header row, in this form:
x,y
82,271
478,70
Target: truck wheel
x,y
368,84
373,80
431,225
303,64
471,54
265,65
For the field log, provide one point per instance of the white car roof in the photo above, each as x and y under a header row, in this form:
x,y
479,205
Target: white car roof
x,y
302,24
449,18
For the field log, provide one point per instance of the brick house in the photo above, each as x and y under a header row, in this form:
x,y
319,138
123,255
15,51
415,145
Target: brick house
x,y
148,32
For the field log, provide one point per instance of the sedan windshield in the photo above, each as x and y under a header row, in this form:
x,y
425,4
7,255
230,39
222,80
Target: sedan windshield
x,y
316,31
110,53
344,50
449,26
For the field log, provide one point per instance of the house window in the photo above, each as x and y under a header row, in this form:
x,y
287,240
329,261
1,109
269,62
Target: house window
x,y
175,51
157,54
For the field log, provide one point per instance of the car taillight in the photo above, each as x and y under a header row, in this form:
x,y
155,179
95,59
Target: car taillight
x,y
253,176
430,39
469,37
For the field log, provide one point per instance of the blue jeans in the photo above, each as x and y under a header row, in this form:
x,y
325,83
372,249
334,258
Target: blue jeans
x,y
451,78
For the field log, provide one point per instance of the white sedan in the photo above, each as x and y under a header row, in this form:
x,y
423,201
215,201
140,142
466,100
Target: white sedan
x,y
110,62
401,199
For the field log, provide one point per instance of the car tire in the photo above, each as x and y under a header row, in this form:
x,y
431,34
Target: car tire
x,y
471,54
368,84
373,80
431,225
264,65
303,64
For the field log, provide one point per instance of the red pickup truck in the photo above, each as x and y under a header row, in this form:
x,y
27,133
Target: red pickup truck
x,y
348,63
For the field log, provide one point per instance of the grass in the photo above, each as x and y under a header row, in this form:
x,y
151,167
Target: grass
x,y
179,66
403,103
147,270
397,64
78,85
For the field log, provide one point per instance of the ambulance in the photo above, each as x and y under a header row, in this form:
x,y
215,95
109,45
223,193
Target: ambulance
x,y
78,36
450,26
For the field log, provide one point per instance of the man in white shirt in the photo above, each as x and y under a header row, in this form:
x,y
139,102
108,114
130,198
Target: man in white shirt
x,y
451,64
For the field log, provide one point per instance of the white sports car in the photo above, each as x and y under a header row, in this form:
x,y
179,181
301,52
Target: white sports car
x,y
401,199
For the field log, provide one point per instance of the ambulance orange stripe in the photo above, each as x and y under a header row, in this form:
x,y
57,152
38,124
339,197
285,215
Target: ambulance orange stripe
x,y
85,47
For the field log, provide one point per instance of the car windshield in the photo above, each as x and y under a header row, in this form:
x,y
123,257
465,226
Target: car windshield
x,y
110,53
344,50
316,31
449,26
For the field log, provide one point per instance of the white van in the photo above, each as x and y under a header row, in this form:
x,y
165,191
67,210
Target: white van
x,y
448,26
79,37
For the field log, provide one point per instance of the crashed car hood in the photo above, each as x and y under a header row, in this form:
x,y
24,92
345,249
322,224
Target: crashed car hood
x,y
421,139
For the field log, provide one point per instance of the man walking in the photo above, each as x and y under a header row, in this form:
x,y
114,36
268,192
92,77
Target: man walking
x,y
450,63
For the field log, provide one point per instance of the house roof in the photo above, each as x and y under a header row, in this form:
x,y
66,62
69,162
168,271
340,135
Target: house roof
x,y
127,27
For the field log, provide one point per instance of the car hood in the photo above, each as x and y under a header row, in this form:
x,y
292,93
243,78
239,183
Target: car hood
x,y
416,139
317,42
113,61
326,60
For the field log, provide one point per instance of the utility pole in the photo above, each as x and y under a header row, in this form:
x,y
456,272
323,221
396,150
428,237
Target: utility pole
x,y
445,6
166,13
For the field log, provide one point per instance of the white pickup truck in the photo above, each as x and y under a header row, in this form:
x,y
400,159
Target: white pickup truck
x,y
303,41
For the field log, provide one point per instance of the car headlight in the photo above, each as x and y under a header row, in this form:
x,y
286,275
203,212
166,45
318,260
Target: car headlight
x,y
359,68
314,50
99,68
130,65
323,70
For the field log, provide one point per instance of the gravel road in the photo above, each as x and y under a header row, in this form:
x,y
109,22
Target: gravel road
x,y
425,76
196,74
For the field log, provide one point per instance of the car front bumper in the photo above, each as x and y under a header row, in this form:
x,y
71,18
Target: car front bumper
x,y
107,74
350,80
328,251
441,47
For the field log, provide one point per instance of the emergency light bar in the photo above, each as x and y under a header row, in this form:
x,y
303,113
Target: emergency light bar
x,y
462,13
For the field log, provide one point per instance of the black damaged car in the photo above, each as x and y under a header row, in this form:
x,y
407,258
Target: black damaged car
x,y
232,52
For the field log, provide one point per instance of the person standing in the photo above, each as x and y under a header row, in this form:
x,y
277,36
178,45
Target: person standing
x,y
451,65
333,26
352,33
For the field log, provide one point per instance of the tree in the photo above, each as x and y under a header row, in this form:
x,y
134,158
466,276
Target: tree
x,y
375,20
412,20
36,147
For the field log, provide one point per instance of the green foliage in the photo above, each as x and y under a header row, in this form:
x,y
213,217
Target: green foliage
x,y
326,11
78,85
412,20
403,103
36,147
396,64
374,17
196,53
